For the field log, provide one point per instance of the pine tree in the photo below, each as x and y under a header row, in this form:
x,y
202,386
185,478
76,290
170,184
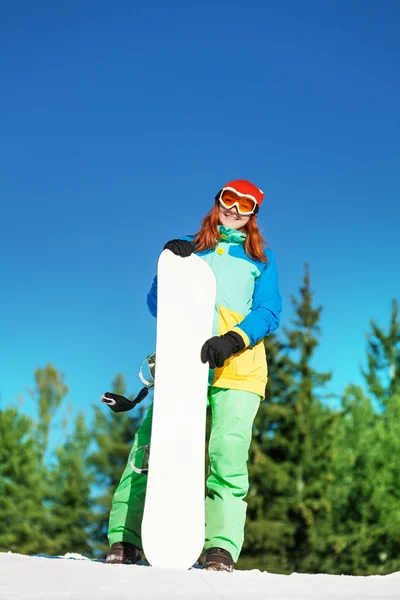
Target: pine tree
x,y
312,436
290,453
23,522
382,374
113,435
365,495
386,493
269,535
350,495
380,511
70,503
49,392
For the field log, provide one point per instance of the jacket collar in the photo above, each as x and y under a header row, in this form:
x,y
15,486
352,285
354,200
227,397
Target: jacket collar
x,y
232,236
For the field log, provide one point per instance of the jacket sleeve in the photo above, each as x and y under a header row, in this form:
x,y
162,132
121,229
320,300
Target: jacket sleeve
x,y
152,298
152,295
264,316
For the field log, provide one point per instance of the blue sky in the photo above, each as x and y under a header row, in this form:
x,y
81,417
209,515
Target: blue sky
x,y
119,123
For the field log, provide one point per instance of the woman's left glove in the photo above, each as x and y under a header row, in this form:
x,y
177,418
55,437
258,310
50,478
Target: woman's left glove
x,y
218,349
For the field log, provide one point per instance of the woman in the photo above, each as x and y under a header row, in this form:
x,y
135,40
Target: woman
x,y
248,307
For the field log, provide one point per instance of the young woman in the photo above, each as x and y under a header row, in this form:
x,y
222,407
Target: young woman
x,y
248,306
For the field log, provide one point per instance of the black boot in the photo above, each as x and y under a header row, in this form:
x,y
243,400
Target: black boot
x,y
124,553
217,559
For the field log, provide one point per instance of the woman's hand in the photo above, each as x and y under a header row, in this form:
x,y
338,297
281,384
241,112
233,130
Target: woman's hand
x,y
180,247
218,349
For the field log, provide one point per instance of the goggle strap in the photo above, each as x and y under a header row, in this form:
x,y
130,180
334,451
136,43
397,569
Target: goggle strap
x,y
218,196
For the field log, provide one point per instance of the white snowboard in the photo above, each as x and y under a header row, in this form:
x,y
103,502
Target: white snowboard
x,y
173,524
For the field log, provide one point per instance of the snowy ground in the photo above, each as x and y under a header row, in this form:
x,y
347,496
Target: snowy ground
x,y
74,577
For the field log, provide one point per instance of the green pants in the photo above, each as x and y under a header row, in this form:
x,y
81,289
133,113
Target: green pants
x,y
233,414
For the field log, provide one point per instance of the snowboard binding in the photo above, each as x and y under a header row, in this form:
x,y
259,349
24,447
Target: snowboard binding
x,y
144,468
119,403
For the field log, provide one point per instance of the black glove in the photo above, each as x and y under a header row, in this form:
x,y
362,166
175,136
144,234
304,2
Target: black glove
x,y
217,349
180,247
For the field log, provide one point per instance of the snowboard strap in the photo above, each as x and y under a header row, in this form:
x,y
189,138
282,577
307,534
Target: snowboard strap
x,y
151,363
119,403
142,470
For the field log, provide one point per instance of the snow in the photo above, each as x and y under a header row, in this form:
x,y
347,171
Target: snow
x,y
75,577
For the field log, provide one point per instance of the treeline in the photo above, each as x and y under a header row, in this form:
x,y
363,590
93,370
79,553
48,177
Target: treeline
x,y
325,477
58,502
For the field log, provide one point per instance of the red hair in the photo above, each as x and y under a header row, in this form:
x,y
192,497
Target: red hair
x,y
209,236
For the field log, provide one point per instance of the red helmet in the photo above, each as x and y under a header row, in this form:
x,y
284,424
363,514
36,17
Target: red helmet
x,y
245,188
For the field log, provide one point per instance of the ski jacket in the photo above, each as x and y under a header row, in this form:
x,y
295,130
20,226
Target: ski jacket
x,y
247,302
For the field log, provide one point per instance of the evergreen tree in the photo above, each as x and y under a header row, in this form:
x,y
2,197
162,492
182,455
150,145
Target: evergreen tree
x,y
23,522
352,492
382,374
311,438
49,392
382,377
70,504
385,476
290,453
365,522
365,496
269,536
113,435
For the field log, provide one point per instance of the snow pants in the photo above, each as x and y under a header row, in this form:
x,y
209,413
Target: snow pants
x,y
233,413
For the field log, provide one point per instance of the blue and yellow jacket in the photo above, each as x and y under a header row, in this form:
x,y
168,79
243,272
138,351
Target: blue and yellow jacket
x,y
248,302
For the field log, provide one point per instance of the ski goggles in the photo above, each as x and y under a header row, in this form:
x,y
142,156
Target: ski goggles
x,y
245,204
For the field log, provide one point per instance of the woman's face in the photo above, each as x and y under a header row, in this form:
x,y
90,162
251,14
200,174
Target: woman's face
x,y
230,217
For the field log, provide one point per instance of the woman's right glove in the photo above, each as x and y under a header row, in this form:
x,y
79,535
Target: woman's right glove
x,y
219,348
180,247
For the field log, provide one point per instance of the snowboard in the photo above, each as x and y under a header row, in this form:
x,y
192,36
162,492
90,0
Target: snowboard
x,y
173,525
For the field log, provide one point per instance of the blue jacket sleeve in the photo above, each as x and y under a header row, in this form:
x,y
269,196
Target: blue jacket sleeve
x,y
152,295
152,298
264,316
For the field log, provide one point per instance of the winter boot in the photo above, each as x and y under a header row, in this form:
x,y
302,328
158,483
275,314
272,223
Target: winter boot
x,y
124,553
217,559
